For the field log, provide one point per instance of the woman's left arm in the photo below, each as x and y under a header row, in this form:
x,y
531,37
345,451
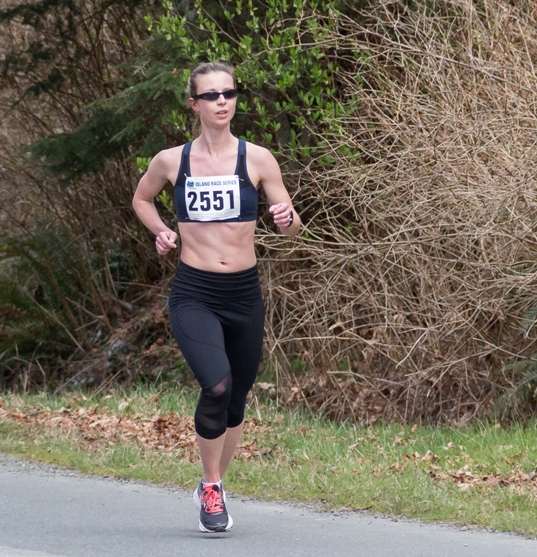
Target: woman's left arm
x,y
280,204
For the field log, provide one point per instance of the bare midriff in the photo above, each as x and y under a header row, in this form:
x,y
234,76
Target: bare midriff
x,y
221,247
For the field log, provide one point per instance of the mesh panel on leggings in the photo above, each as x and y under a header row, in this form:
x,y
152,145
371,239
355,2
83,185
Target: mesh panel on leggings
x,y
210,418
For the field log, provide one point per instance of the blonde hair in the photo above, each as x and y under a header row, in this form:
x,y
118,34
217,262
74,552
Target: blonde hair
x,y
205,68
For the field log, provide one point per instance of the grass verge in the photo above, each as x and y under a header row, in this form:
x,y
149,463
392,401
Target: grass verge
x,y
481,475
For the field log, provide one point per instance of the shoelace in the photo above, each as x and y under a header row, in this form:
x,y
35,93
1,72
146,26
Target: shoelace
x,y
212,500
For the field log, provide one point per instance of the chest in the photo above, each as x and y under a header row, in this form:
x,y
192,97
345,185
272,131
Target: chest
x,y
206,166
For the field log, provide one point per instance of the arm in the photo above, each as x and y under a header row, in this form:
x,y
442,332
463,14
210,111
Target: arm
x,y
280,204
149,186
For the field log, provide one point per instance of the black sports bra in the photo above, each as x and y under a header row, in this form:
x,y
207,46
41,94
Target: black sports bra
x,y
215,198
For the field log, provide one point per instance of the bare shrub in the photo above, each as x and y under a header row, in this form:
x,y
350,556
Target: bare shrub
x,y
56,58
408,297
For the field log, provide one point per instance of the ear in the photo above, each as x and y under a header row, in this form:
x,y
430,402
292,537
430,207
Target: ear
x,y
193,103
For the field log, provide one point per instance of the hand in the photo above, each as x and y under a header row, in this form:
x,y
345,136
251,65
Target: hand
x,y
281,214
166,241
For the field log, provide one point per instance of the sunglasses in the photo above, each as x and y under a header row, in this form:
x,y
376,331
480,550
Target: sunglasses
x,y
215,95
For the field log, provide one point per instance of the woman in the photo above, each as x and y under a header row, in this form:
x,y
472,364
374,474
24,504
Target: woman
x,y
216,307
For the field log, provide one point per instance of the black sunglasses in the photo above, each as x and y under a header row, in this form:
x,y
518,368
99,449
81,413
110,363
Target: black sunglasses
x,y
215,95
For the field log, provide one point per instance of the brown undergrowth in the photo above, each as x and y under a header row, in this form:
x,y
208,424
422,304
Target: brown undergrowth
x,y
170,433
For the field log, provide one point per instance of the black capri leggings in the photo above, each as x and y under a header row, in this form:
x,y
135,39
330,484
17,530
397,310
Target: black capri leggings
x,y
218,322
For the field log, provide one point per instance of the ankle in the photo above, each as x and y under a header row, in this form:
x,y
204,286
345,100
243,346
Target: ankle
x,y
205,482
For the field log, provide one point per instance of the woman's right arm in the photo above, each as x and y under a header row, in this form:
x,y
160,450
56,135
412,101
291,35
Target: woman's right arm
x,y
150,186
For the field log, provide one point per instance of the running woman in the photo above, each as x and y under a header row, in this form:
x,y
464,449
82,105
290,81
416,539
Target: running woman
x,y
216,309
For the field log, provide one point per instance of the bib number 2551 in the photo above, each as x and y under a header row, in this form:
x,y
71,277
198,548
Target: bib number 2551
x,y
207,201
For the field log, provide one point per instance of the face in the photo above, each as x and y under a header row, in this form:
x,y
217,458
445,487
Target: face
x,y
221,111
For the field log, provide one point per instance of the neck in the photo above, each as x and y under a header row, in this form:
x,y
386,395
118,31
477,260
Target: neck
x,y
215,142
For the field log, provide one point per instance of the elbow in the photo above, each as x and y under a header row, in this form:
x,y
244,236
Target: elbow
x,y
137,203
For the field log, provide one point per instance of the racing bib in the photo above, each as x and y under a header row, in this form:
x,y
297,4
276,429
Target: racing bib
x,y
211,198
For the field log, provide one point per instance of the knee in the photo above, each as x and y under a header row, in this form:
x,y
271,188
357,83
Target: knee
x,y
220,393
211,414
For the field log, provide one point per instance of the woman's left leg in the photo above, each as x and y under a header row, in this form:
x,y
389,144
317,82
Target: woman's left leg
x,y
231,440
244,346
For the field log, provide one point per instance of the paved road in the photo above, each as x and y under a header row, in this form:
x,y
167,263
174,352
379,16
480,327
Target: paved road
x,y
48,512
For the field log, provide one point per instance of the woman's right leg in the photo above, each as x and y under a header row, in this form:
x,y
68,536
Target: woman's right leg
x,y
200,338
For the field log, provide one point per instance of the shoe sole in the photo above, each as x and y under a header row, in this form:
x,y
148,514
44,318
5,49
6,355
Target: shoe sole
x,y
225,528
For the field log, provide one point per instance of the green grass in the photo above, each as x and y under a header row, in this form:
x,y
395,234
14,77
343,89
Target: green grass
x,y
385,468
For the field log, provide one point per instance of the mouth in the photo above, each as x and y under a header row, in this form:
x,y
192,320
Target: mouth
x,y
222,113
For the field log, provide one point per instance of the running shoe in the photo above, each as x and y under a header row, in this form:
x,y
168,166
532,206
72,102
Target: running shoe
x,y
211,503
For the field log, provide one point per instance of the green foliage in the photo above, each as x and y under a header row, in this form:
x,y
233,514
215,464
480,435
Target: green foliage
x,y
85,150
286,67
167,201
529,319
70,247
36,281
285,62
520,399
142,164
297,365
47,297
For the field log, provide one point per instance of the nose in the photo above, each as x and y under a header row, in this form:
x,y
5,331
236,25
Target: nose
x,y
221,99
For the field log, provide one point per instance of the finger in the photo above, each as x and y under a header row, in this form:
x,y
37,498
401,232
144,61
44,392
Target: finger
x,y
278,208
161,245
166,240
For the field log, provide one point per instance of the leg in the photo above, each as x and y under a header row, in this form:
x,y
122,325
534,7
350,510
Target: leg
x,y
244,344
233,434
210,420
200,338
198,322
216,454
211,451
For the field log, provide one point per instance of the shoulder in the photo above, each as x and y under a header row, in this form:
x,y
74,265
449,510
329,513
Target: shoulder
x,y
168,156
165,164
258,153
263,167
261,159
